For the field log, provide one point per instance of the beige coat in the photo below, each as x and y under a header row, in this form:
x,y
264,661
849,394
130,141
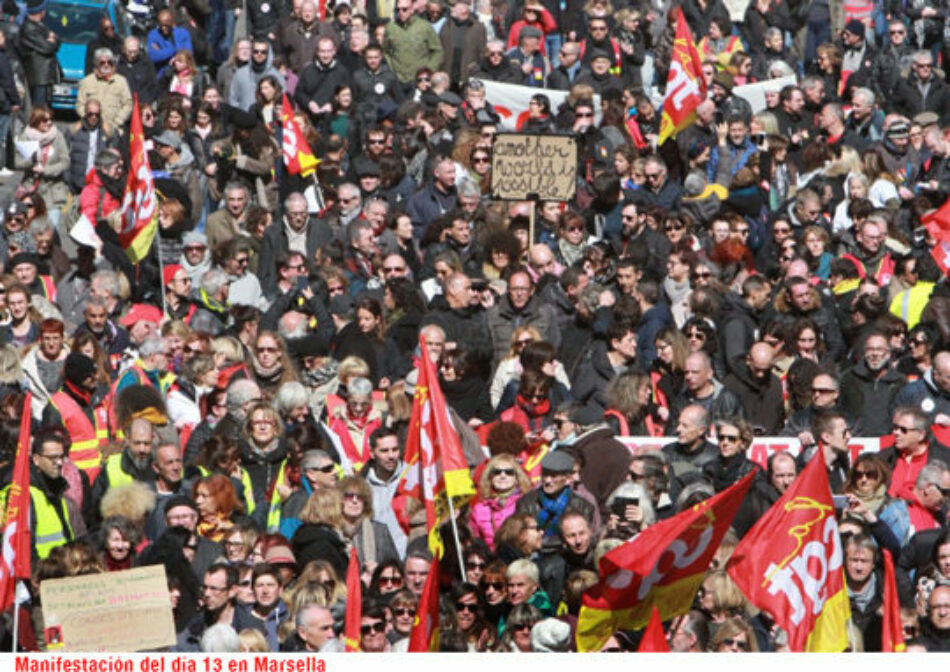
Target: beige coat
x,y
113,95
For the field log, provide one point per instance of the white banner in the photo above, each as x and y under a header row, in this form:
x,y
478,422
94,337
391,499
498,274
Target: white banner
x,y
755,93
760,450
511,102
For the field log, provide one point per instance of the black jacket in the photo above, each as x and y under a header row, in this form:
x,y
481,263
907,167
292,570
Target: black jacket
x,y
870,399
9,96
762,401
320,542
590,383
740,330
274,241
370,89
466,326
907,98
318,83
38,54
141,77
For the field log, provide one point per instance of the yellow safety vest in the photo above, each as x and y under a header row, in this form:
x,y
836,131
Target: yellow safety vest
x,y
276,503
49,531
117,475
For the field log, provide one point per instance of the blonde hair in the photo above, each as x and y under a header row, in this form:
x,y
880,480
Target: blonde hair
x,y
133,501
485,490
516,336
352,367
324,506
230,347
252,641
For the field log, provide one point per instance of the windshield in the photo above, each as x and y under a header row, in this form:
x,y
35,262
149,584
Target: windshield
x,y
74,23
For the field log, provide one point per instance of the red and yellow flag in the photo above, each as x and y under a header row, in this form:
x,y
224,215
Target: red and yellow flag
x,y
435,464
425,629
354,605
791,564
15,563
298,156
662,567
892,630
685,86
654,639
139,206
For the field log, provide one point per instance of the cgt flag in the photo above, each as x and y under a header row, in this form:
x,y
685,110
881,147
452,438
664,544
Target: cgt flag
x,y
139,205
654,639
662,567
892,630
790,564
435,464
298,157
424,635
685,86
17,543
354,605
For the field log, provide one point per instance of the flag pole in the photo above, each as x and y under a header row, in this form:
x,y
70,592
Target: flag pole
x,y
458,543
16,618
161,270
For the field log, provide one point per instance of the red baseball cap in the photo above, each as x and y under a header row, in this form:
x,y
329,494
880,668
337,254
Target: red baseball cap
x,y
168,272
141,312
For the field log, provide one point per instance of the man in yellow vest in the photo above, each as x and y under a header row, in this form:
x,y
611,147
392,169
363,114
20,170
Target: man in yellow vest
x,y
54,518
134,463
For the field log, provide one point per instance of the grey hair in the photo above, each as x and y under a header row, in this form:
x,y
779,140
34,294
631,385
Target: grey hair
x,y
295,197
348,186
103,52
523,567
865,93
234,185
359,386
772,32
298,330
931,474
354,228
590,297
374,201
40,224
779,69
125,527
467,187
151,345
630,490
239,393
289,396
220,638
107,158
495,43
108,279
302,620
212,281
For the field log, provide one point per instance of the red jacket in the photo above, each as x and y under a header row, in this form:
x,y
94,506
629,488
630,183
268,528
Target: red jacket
x,y
89,199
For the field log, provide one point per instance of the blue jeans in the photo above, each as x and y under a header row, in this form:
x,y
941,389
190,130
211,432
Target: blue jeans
x,y
39,95
4,127
216,32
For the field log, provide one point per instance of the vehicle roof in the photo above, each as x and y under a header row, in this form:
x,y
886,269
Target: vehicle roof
x,y
99,4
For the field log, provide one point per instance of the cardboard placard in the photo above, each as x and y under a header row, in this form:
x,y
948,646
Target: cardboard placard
x,y
534,167
128,610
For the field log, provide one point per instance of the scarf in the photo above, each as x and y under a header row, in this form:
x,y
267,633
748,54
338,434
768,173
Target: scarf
x,y
534,413
115,186
77,392
676,291
571,253
116,565
214,528
43,137
876,500
551,511
863,599
198,269
267,372
296,240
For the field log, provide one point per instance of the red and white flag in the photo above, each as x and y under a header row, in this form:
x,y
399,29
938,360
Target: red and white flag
x,y
140,204
16,516
298,157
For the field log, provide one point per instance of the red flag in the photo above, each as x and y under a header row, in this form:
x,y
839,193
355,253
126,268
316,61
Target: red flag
x,y
16,515
139,206
685,86
790,564
892,630
654,639
298,156
937,222
425,630
941,254
662,567
354,604
436,468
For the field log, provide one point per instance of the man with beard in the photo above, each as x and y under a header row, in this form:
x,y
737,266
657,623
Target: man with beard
x,y
758,390
77,407
134,463
112,338
243,91
871,386
87,138
138,72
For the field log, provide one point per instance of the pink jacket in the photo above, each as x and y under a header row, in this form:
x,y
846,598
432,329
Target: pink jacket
x,y
488,515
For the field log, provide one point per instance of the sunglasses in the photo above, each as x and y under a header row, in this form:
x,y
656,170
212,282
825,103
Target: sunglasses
x,y
391,580
378,627
475,565
672,227
327,469
701,276
404,611
465,606
521,627
901,429
481,159
266,349
729,438
863,473
730,641
494,585
502,472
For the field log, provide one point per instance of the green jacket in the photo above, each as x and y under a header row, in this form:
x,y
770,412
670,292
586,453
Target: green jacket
x,y
411,46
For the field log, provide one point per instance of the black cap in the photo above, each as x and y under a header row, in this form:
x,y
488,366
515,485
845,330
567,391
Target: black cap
x,y
181,500
78,367
365,167
242,119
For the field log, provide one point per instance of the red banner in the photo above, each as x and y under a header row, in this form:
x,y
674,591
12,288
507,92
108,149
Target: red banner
x,y
791,564
685,86
16,515
425,630
892,630
298,157
654,639
354,604
139,206
662,567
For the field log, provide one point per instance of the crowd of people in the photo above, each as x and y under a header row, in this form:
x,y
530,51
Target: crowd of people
x,y
235,406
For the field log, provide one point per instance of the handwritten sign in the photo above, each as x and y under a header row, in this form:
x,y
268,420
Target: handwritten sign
x,y
542,167
120,611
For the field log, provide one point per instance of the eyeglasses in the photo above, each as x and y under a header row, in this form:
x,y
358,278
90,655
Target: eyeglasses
x,y
495,53
241,260
394,269
696,336
823,390
481,159
259,51
598,29
375,141
404,611
731,641
55,458
391,580
729,438
92,114
897,32
471,564
701,276
326,469
782,230
194,248
574,229
352,495
535,397
864,473
502,472
923,65
264,348
901,429
465,606
378,627
521,627
678,226
584,115
494,585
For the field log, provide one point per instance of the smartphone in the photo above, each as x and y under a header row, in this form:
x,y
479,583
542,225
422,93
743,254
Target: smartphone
x,y
758,138
620,504
301,282
840,502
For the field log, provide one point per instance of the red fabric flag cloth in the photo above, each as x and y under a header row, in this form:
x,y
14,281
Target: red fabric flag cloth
x,y
685,86
298,157
354,604
436,468
16,515
661,567
937,222
791,564
654,639
892,630
140,203
425,630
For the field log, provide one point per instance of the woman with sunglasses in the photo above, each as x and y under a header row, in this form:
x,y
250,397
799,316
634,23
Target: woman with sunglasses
x,y
922,343
528,351
734,636
493,590
868,501
517,635
471,620
387,580
403,606
500,486
373,541
44,169
734,436
571,238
